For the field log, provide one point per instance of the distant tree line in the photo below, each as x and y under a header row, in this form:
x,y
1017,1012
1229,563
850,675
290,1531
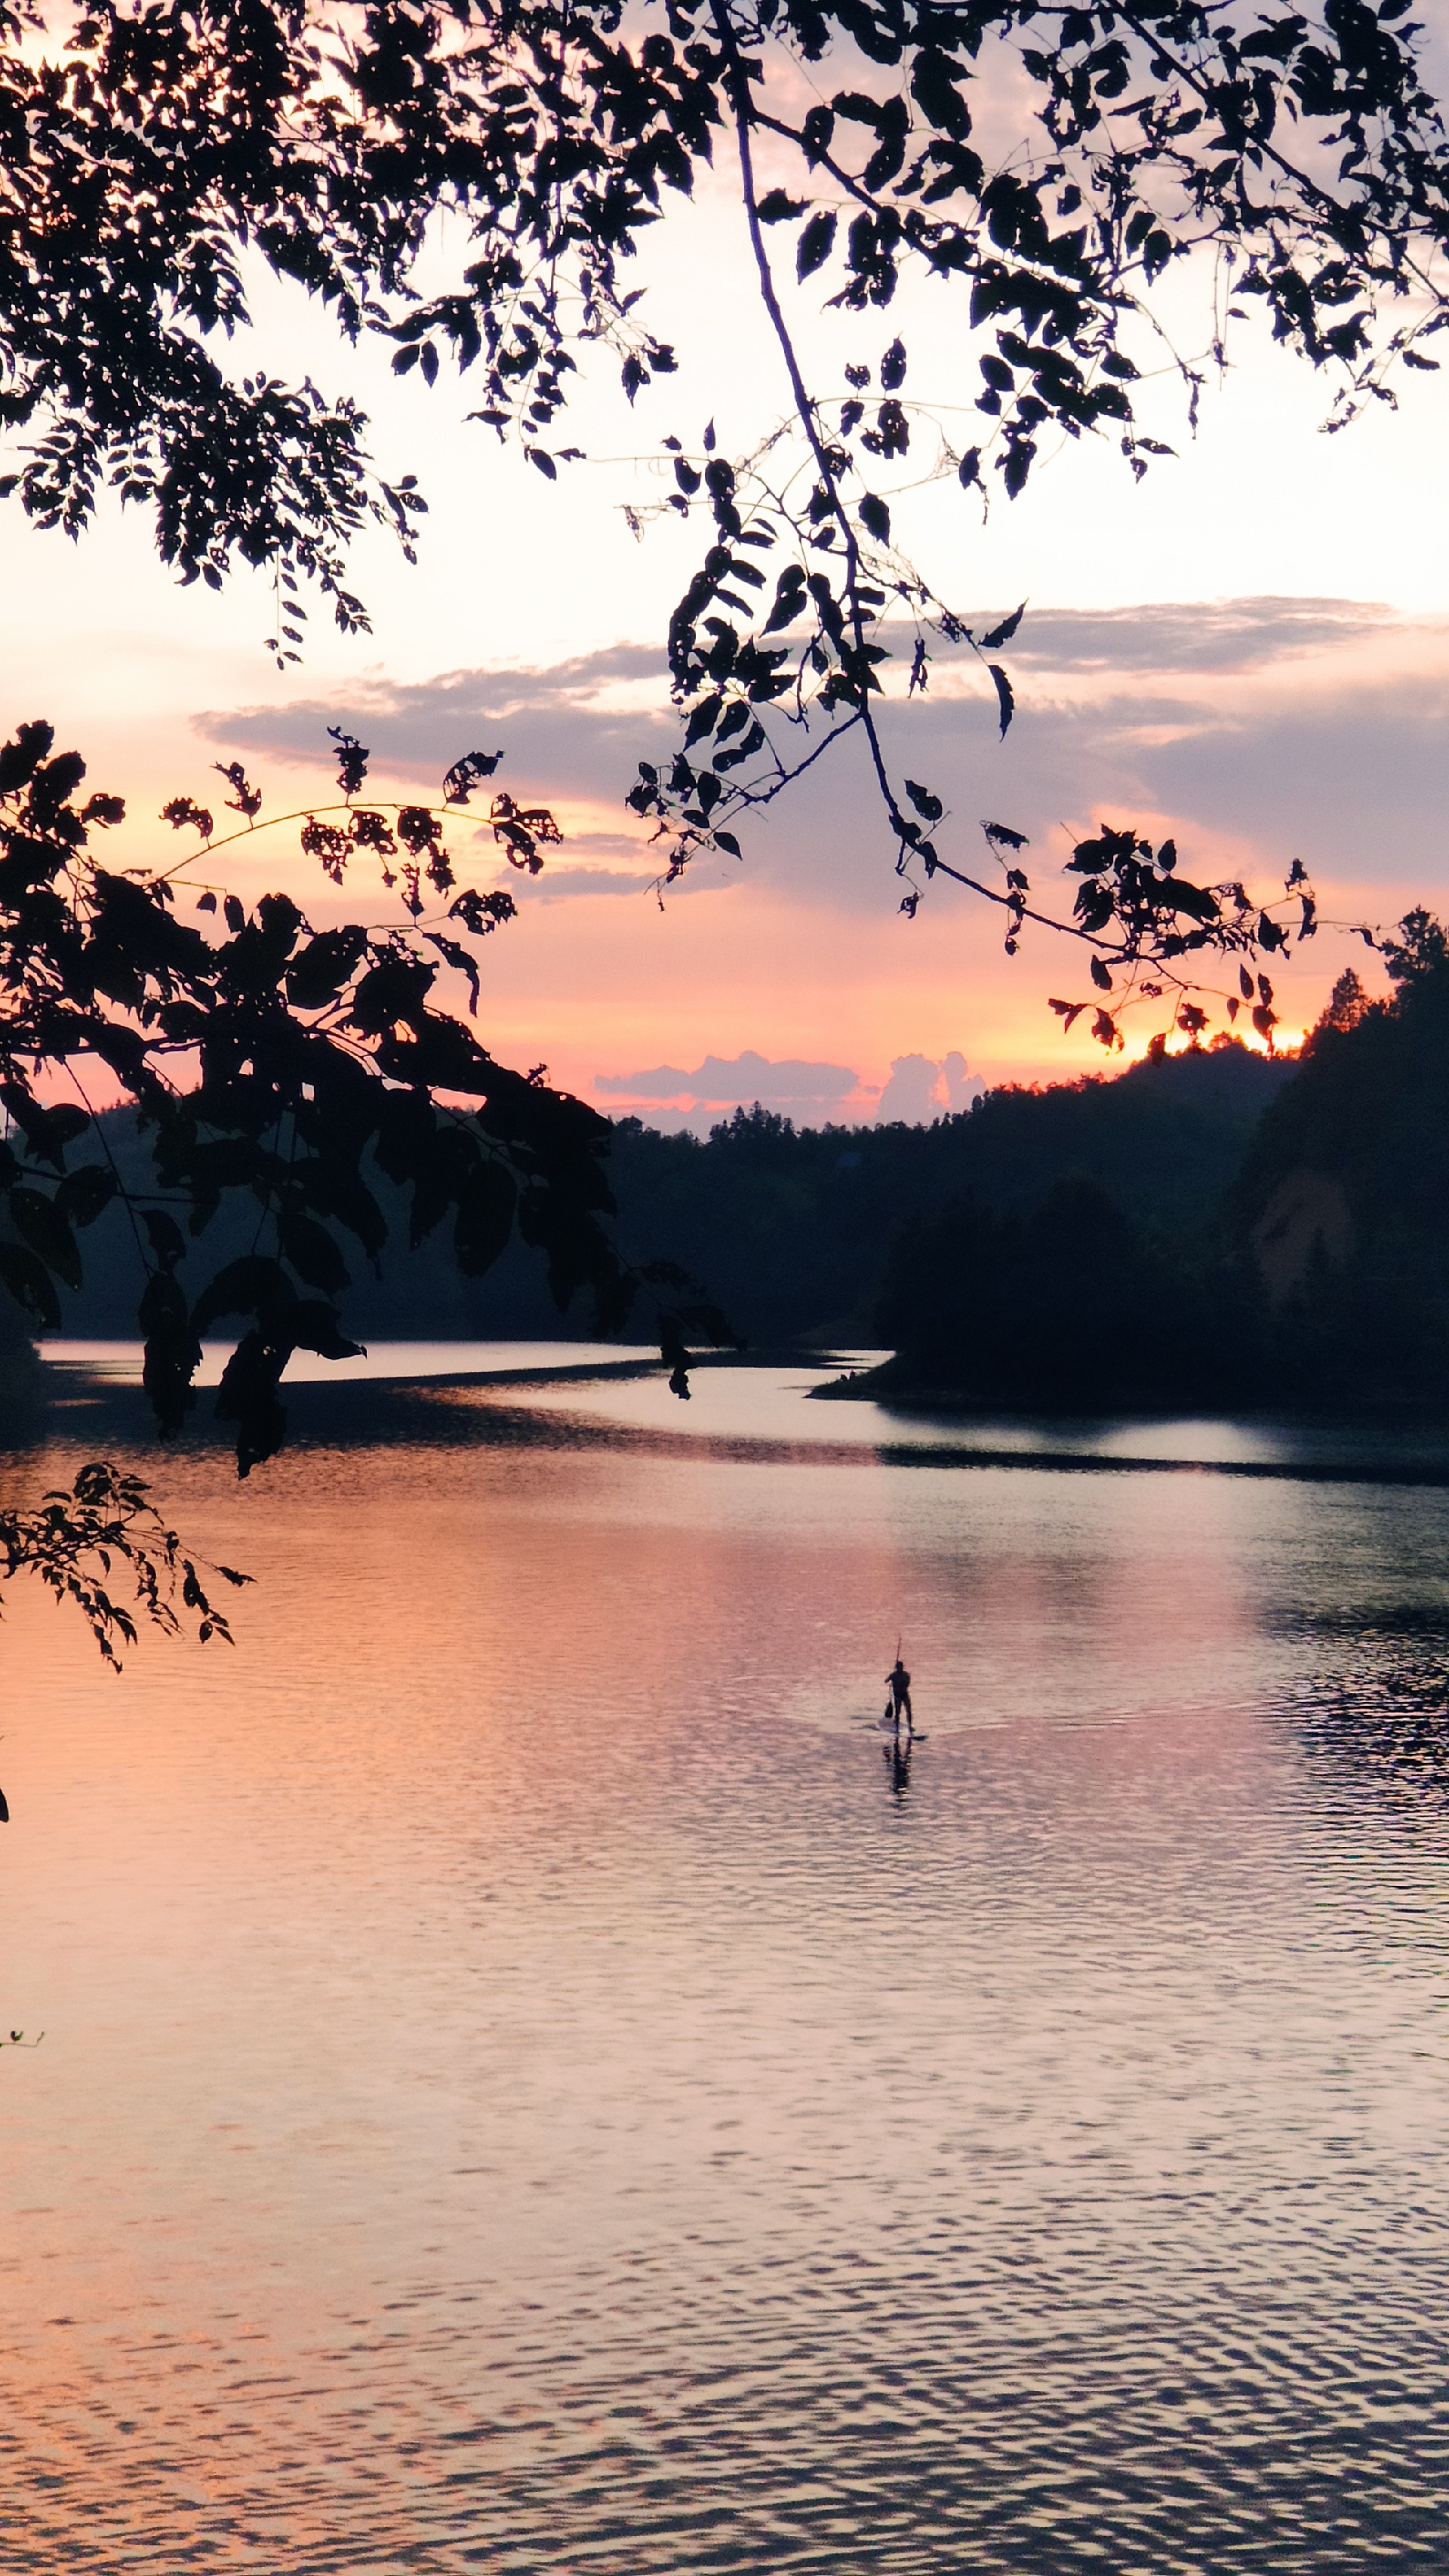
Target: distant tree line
x,y
1215,1227
793,1228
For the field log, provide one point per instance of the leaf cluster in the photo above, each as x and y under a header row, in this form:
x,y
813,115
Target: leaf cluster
x,y
1155,918
152,145
148,149
76,1539
266,1066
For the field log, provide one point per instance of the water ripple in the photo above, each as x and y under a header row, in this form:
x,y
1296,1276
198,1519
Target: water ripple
x,y
528,2086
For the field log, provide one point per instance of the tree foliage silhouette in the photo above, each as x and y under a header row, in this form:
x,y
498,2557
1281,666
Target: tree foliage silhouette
x,y
148,150
1297,158
270,1064
75,1540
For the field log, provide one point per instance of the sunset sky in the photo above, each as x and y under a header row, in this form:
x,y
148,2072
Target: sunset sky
x,y
1251,651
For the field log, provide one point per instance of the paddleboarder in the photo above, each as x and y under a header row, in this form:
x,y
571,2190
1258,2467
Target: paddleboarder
x,y
898,1683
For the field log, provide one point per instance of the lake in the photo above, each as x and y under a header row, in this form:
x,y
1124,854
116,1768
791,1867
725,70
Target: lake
x,y
529,2082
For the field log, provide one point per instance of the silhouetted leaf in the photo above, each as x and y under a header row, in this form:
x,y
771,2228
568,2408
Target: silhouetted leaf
x,y
27,1280
85,1192
167,1240
312,1251
484,1223
468,773
255,1284
1003,633
352,760
312,1326
815,244
171,1351
244,798
184,809
41,1223
248,1396
928,806
47,1131
321,970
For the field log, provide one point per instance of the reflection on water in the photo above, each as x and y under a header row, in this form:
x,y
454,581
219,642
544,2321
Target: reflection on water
x,y
533,2082
122,1360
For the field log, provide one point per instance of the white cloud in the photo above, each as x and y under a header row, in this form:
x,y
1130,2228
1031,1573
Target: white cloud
x,y
813,1095
920,1090
1313,728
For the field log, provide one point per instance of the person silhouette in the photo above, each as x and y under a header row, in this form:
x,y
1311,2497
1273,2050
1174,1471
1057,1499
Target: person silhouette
x,y
898,1683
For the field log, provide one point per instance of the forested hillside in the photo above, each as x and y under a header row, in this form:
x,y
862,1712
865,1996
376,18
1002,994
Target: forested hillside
x,y
794,1232
1344,1195
791,1230
1211,1228
1321,1279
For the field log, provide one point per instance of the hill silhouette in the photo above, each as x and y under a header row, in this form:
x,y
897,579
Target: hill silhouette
x,y
1343,1200
792,1229
1210,1228
1319,1279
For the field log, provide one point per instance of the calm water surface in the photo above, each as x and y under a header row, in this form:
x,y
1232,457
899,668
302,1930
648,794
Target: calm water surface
x,y
529,2084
